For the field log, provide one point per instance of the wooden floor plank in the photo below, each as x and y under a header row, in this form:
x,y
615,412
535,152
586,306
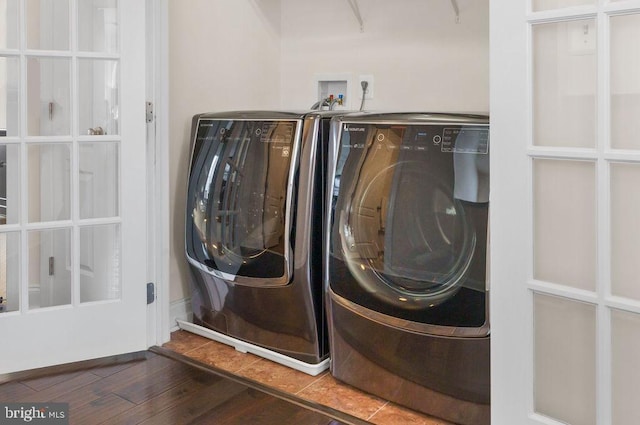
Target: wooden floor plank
x,y
15,391
257,408
236,408
154,384
133,374
200,403
121,379
115,380
164,401
82,395
106,371
100,411
61,389
39,384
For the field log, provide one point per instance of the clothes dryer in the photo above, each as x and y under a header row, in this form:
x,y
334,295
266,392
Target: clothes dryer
x,y
254,233
406,260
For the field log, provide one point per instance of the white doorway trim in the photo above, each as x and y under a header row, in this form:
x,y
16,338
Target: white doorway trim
x,y
159,325
511,344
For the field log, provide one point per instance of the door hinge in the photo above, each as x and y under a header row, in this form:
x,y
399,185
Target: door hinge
x,y
151,293
149,110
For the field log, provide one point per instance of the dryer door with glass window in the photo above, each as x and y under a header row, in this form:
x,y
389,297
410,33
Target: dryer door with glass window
x,y
409,222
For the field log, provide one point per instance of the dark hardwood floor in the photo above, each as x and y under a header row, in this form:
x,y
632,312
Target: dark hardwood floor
x,y
157,390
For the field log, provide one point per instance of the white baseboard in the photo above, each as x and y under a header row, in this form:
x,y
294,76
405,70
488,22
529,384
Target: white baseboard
x,y
180,310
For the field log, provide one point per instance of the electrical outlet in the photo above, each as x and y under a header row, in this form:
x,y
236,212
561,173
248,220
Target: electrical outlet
x,y
369,93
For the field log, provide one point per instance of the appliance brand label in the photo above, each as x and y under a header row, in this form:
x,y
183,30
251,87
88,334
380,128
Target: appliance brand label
x,y
354,129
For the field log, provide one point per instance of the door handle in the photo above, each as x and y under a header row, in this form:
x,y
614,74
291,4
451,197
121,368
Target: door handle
x,y
96,131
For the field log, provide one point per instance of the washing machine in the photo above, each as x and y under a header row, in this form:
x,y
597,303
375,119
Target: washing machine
x,y
406,257
254,233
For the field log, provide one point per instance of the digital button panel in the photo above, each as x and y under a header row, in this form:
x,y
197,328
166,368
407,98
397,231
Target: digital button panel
x,y
465,140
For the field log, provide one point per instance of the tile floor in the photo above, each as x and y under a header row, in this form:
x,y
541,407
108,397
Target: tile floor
x,y
322,389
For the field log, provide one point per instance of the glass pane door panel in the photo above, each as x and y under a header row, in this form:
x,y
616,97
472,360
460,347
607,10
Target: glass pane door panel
x,y
49,180
98,26
564,202
539,5
9,184
625,82
9,12
100,263
49,268
9,272
625,338
564,360
625,230
99,183
564,84
66,238
98,96
9,96
48,96
47,24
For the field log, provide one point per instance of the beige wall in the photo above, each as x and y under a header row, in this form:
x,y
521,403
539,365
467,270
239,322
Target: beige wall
x,y
223,55
250,54
420,59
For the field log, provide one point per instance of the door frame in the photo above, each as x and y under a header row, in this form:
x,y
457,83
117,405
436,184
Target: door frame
x,y
158,241
511,309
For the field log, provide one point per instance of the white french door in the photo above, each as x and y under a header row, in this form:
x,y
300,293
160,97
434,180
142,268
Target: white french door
x,y
73,216
565,219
